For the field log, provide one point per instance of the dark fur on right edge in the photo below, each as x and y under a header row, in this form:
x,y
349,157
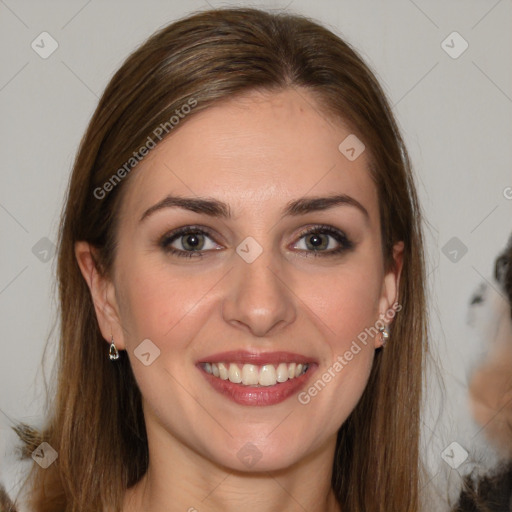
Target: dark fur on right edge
x,y
492,493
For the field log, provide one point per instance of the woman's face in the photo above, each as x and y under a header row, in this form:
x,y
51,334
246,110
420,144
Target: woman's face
x,y
267,277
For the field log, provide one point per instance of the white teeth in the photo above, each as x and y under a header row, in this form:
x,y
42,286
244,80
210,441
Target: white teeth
x,y
254,375
234,374
282,373
249,374
268,375
223,371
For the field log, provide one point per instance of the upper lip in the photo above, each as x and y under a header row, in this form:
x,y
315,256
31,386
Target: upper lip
x,y
256,358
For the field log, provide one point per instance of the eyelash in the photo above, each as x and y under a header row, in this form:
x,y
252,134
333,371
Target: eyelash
x,y
339,236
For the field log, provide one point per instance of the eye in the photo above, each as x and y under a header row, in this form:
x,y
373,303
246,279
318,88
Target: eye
x,y
324,240
192,241
187,242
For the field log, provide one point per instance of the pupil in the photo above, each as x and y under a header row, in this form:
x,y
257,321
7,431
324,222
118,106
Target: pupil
x,y
315,240
192,241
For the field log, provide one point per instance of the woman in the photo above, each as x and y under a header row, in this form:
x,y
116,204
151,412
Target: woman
x,y
241,238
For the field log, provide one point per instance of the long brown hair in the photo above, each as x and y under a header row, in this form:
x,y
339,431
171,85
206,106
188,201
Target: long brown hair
x,y
96,423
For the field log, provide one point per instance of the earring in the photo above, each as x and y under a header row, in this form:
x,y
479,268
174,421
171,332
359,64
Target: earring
x,y
113,353
384,334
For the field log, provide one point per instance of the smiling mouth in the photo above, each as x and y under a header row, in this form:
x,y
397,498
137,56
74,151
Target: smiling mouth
x,y
255,375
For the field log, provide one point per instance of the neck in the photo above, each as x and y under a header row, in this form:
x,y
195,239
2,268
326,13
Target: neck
x,y
180,479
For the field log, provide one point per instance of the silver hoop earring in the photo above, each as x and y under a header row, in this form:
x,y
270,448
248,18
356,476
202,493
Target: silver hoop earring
x,y
384,332
113,353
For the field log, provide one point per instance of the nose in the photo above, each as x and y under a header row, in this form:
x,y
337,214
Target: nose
x,y
258,298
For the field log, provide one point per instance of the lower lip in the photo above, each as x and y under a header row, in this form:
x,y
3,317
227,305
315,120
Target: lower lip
x,y
264,395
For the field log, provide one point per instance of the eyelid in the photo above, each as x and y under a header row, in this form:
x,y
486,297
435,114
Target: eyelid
x,y
322,227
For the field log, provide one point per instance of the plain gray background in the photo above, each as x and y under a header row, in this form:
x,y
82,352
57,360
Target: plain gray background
x,y
455,115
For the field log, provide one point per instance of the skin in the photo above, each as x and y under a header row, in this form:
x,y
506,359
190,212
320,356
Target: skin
x,y
256,154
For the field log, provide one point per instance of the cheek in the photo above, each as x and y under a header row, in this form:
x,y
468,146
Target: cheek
x,y
344,301
344,305
168,307
156,301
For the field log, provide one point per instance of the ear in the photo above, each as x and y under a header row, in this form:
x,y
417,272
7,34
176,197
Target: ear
x,y
390,286
103,294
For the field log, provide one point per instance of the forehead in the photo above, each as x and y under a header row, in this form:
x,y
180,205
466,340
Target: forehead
x,y
259,149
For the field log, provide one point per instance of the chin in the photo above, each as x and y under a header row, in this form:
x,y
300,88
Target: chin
x,y
261,456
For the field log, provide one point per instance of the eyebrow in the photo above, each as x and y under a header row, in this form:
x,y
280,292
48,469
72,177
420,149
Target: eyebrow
x,y
216,208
